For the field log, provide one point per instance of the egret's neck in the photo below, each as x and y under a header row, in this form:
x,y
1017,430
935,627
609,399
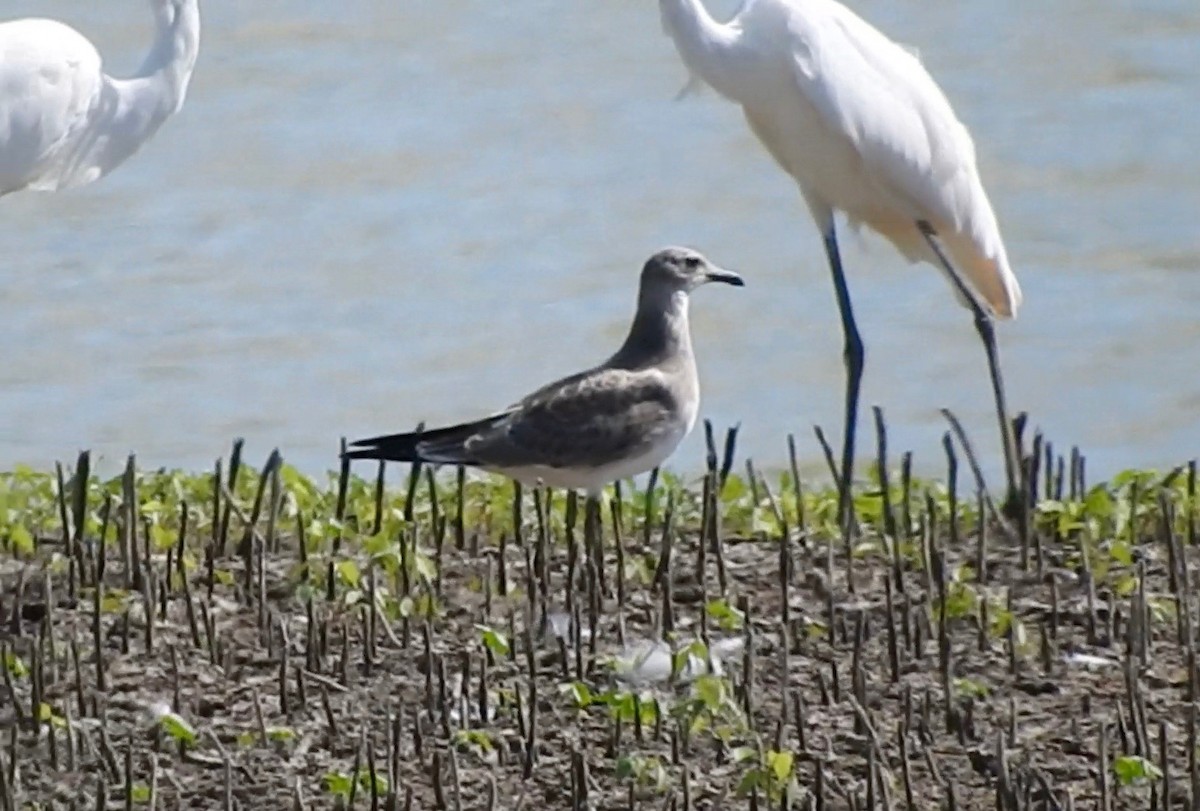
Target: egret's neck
x,y
705,45
131,110
659,331
167,68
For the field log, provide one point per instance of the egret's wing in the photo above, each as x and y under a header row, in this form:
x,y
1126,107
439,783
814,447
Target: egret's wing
x,y
50,76
878,95
593,418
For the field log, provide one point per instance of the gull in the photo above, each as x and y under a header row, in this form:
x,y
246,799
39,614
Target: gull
x,y
621,418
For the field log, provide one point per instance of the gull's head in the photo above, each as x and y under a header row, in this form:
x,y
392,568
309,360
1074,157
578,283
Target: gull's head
x,y
675,269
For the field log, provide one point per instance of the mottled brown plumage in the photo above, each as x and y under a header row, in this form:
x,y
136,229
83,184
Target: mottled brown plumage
x,y
620,418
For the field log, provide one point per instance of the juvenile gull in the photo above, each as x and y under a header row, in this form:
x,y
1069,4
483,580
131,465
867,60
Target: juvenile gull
x,y
610,422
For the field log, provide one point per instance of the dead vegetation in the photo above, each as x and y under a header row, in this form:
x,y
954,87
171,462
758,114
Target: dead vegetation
x,y
253,639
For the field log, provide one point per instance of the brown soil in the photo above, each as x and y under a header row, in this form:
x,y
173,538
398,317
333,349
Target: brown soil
x,y
1022,726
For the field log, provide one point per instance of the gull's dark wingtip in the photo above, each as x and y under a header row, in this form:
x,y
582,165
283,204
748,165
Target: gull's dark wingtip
x,y
388,447
441,445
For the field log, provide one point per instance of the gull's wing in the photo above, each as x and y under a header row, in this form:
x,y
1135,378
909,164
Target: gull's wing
x,y
589,419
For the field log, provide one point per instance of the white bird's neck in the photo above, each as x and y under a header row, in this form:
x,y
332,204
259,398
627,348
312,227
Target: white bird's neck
x,y
705,45
167,68
136,107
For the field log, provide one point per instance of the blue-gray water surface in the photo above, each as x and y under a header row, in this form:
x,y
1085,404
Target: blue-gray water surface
x,y
371,213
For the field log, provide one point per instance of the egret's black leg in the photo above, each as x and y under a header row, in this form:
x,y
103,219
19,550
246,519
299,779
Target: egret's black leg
x,y
853,355
987,333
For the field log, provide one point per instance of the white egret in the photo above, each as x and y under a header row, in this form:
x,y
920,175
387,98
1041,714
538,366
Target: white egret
x,y
861,126
63,121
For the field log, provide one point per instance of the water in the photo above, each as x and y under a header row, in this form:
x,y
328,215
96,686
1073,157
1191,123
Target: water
x,y
371,213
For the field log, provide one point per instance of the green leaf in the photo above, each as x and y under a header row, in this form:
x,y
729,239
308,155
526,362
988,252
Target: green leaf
x,y
579,692
406,607
493,640
969,687
1121,552
114,601
381,783
426,605
1098,502
781,764
347,571
750,781
338,784
139,793
21,541
1133,770
710,690
178,728
1126,585
378,544
961,601
744,753
162,538
725,615
478,739
15,665
426,569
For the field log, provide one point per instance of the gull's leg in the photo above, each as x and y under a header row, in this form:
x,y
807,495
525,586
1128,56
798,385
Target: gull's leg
x,y
853,355
987,333
594,541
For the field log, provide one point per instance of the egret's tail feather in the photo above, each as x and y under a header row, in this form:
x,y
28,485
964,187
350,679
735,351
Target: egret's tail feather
x,y
991,275
979,257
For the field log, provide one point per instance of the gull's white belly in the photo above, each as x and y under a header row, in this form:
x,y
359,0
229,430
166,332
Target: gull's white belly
x,y
594,479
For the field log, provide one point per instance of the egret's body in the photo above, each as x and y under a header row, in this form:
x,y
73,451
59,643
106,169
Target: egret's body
x,y
860,125
63,121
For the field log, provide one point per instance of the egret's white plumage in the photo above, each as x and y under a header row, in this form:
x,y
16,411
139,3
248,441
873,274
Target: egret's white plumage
x,y
860,125
63,121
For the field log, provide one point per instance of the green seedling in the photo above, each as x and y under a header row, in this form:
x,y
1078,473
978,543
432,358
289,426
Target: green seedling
x,y
178,728
771,772
1133,770
726,616
476,741
962,601
628,707
47,715
15,665
20,540
970,688
139,793
494,641
579,693
710,706
340,784
277,735
644,771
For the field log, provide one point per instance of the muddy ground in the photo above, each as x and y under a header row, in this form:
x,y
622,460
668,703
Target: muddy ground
x,y
1037,691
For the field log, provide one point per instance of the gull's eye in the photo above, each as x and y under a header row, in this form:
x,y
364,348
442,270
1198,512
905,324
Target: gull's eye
x,y
692,262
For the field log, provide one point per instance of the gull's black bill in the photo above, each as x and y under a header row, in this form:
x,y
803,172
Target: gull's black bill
x,y
725,277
